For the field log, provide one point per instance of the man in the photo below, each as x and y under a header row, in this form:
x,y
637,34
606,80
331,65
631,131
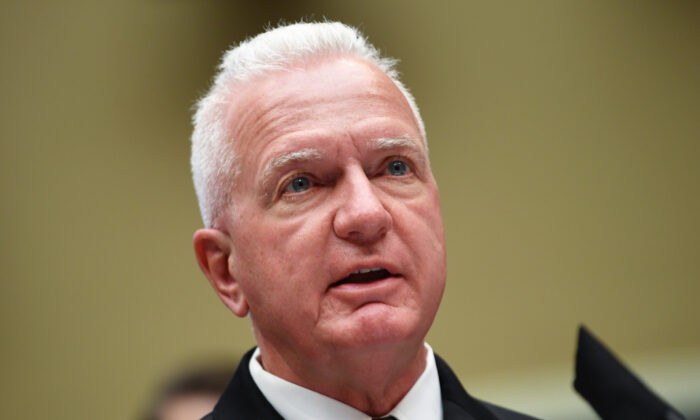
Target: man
x,y
323,226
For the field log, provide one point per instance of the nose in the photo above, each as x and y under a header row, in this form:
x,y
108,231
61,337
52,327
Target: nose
x,y
361,217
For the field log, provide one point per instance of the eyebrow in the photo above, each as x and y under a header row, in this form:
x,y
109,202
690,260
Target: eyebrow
x,y
402,143
292,157
394,143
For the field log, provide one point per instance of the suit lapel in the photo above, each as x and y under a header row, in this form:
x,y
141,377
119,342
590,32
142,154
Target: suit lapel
x,y
457,404
242,398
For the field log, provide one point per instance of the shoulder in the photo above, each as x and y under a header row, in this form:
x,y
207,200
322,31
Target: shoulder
x,y
458,404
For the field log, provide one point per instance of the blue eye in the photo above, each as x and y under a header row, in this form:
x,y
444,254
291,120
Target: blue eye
x,y
298,184
397,168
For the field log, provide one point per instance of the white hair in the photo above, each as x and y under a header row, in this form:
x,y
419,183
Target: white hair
x,y
214,164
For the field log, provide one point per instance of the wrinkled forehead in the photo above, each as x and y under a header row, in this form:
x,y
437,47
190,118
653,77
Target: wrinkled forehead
x,y
274,103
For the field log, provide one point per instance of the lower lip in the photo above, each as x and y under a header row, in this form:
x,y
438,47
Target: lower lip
x,y
377,286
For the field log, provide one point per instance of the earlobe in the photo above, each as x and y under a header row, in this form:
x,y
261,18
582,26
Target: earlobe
x,y
213,251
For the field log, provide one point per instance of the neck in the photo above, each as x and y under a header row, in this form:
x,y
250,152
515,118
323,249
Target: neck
x,y
371,380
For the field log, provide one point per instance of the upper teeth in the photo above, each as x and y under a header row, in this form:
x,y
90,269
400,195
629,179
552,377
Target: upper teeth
x,y
366,270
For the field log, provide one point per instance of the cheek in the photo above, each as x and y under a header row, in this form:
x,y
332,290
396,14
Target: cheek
x,y
425,221
432,212
278,260
425,236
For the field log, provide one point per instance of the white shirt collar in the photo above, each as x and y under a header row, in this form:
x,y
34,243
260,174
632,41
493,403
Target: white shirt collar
x,y
293,402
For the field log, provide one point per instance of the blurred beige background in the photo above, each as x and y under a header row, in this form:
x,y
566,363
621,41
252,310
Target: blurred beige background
x,y
565,137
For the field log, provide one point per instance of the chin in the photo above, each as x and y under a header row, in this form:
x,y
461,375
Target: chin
x,y
378,325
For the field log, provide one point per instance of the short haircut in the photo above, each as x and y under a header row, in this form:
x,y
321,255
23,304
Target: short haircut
x,y
214,163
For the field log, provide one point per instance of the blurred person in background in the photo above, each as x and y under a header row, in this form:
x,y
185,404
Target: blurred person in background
x,y
190,394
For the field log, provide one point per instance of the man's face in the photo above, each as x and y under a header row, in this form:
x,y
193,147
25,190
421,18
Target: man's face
x,y
336,231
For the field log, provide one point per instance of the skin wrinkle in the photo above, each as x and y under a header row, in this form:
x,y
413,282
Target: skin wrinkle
x,y
265,122
276,120
298,158
271,118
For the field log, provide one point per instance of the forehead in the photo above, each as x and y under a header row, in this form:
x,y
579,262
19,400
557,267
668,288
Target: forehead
x,y
321,88
332,99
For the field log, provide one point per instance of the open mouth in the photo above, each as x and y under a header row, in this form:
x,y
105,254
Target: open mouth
x,y
364,275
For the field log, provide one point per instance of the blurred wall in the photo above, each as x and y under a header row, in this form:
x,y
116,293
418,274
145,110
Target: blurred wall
x,y
564,135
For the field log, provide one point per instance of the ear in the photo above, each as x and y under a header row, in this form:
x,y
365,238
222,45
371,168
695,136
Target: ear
x,y
213,250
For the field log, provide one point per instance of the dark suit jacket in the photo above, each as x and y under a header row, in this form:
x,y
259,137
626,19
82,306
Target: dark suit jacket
x,y
242,399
